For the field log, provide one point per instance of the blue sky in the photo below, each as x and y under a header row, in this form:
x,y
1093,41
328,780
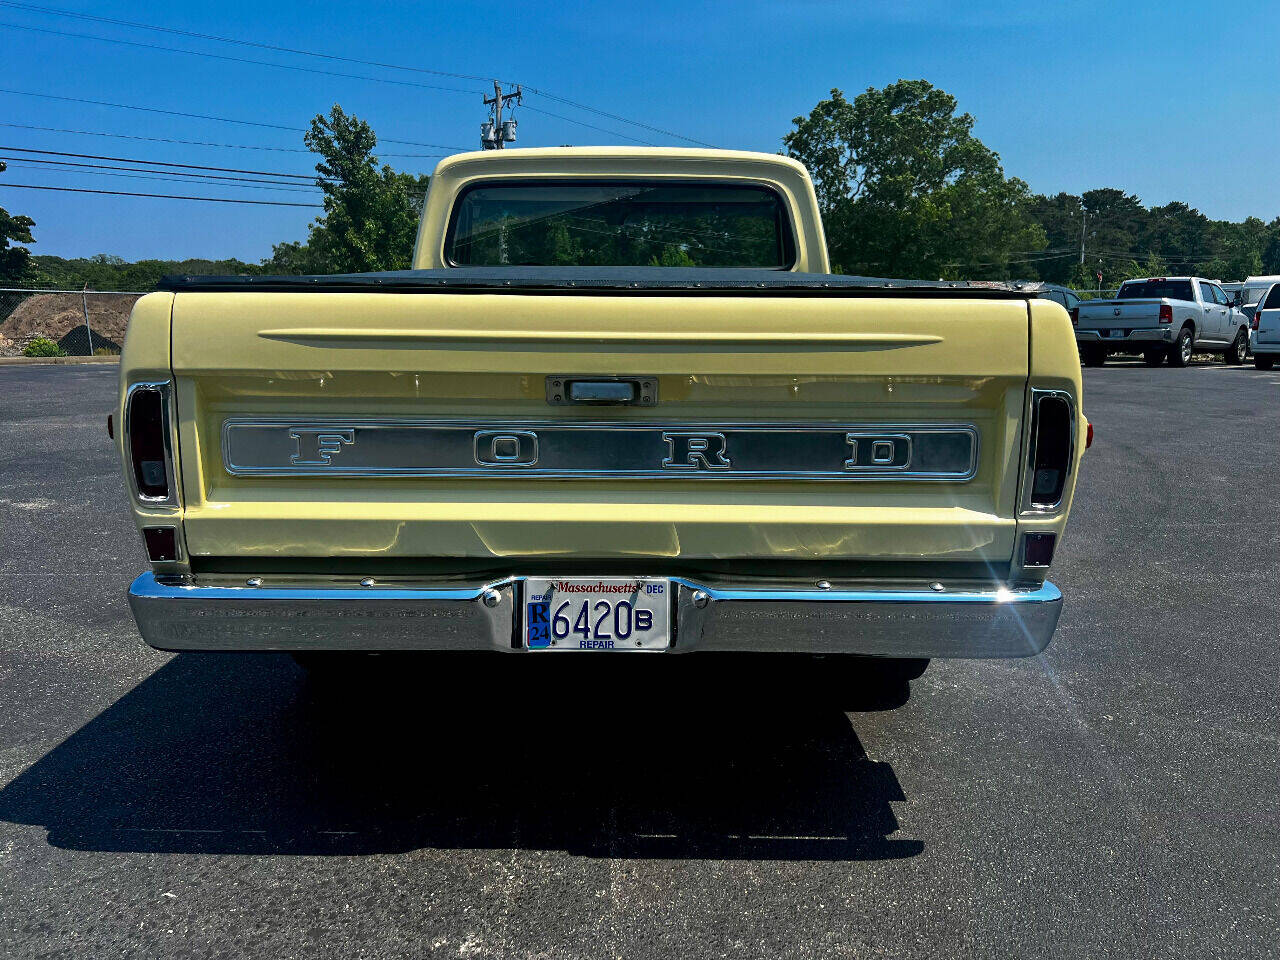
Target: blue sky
x,y
1168,100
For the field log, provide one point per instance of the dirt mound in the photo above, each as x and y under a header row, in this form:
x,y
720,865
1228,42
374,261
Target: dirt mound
x,y
79,342
57,314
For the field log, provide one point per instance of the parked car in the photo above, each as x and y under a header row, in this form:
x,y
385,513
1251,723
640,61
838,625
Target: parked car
x,y
1266,329
1253,288
1251,291
1065,296
590,452
1163,317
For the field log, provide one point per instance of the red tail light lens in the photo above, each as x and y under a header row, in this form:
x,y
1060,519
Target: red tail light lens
x,y
1253,324
147,442
1166,313
1075,316
1037,549
162,543
1052,450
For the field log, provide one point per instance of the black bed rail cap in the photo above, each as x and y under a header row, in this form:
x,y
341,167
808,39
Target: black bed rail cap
x,y
598,279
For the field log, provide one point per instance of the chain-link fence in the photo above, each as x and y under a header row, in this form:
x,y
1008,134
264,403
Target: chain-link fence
x,y
75,323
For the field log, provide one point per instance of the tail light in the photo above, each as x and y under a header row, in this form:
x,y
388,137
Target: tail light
x,y
1166,313
162,543
146,443
1075,316
1052,449
1253,324
1037,549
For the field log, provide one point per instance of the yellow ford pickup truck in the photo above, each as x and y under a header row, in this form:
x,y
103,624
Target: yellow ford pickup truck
x,y
617,404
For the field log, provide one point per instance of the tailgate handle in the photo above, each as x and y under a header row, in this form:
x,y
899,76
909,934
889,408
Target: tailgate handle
x,y
618,391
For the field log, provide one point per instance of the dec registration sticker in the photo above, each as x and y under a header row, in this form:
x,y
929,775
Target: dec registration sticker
x,y
603,613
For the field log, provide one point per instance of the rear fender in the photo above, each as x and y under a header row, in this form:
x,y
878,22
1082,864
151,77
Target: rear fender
x,y
146,358
1054,364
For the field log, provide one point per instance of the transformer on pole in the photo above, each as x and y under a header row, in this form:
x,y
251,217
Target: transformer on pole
x,y
496,133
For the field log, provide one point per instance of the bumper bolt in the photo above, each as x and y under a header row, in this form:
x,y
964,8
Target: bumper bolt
x,y
936,587
491,597
368,582
824,584
254,582
700,598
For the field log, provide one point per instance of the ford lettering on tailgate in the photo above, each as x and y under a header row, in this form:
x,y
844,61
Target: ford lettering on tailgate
x,y
456,448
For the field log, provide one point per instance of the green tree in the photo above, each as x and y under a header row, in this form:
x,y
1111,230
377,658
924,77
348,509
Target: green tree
x,y
293,257
371,211
108,272
1060,218
1124,239
1181,236
672,256
1242,248
15,262
1271,248
906,189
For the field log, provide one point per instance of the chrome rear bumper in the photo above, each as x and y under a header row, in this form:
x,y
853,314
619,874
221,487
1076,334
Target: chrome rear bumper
x,y
1141,335
995,622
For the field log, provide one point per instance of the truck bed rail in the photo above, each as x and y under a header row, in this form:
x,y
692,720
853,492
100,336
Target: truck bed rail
x,y
595,280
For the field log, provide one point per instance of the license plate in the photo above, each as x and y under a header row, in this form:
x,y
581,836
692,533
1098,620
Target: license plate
x,y
601,613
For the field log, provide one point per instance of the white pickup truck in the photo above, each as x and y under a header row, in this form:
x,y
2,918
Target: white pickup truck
x,y
1163,317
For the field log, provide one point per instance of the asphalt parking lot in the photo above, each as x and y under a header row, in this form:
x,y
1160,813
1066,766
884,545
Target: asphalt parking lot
x,y
1115,797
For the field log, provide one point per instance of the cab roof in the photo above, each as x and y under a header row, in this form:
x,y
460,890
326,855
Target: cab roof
x,y
501,158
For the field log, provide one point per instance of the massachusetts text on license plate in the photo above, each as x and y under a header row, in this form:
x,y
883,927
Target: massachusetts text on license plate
x,y
602,613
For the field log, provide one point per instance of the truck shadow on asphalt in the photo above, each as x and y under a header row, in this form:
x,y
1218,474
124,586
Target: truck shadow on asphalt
x,y
245,754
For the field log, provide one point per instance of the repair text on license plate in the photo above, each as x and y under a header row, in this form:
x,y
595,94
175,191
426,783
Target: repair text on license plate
x,y
601,613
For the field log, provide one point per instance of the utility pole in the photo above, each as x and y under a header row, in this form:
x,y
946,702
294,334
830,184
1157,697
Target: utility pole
x,y
1084,219
84,303
496,133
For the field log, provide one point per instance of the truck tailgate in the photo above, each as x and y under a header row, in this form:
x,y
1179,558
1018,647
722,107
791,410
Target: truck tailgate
x,y
276,391
1118,314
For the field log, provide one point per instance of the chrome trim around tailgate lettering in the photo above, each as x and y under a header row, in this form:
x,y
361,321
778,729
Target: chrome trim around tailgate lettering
x,y
990,621
623,449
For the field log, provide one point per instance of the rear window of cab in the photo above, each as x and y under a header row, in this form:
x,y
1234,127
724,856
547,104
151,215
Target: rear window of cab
x,y
634,223
1156,290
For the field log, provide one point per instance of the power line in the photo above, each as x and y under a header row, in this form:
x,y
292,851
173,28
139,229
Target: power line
x,y
1039,257
612,116
169,176
194,143
222,56
160,196
158,163
199,116
244,43
368,63
583,123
